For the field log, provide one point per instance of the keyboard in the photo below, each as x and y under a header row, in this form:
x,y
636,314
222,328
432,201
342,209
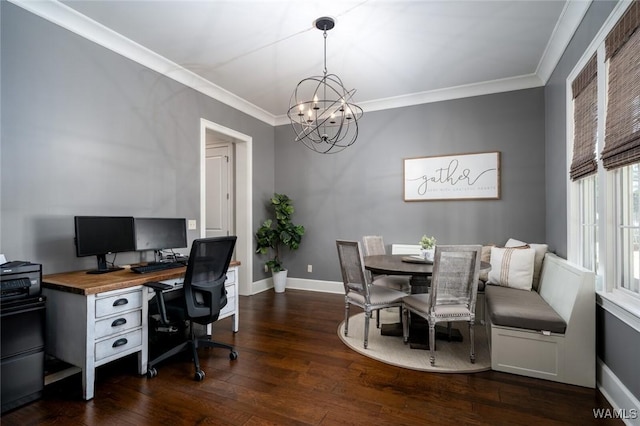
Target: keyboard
x,y
153,267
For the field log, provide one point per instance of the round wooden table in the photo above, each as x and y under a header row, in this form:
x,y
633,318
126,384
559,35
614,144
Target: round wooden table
x,y
420,271
401,264
393,264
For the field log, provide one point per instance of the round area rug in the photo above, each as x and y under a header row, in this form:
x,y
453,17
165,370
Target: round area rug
x,y
451,357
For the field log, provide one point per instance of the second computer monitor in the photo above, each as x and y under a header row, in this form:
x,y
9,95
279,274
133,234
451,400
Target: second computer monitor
x,y
154,233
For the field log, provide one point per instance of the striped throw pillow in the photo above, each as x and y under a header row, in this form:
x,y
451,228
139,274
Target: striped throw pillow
x,y
512,267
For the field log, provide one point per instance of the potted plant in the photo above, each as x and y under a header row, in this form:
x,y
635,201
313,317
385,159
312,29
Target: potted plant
x,y
277,233
428,247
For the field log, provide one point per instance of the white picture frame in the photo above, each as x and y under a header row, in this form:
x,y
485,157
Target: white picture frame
x,y
472,176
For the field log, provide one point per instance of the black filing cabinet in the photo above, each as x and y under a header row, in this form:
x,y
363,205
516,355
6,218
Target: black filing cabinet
x,y
22,337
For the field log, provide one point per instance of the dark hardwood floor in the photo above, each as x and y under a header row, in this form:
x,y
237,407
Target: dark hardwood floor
x,y
293,369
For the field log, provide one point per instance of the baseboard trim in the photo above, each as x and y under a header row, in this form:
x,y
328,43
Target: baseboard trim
x,y
620,398
335,287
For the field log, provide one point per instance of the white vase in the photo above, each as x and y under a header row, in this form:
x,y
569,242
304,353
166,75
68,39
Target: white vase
x,y
428,254
280,281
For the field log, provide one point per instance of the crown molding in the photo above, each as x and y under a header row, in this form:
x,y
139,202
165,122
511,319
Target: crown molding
x,y
66,17
570,19
446,94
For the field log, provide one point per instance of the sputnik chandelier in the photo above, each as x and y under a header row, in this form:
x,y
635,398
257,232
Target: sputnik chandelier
x,y
321,110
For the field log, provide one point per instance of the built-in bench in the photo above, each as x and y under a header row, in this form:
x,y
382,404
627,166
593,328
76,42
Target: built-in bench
x,y
548,333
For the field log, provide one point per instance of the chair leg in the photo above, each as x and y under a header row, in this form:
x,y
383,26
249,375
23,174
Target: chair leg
x,y
472,342
432,342
367,317
405,324
377,318
346,318
207,343
194,354
168,354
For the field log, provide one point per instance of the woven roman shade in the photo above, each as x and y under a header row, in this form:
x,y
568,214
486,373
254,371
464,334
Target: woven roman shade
x,y
585,119
622,133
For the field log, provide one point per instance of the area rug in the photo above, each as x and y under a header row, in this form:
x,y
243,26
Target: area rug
x,y
451,357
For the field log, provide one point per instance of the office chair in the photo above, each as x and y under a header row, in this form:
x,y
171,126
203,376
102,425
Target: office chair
x,y
203,295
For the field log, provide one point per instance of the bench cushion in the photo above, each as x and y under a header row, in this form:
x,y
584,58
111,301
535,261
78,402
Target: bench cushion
x,y
509,307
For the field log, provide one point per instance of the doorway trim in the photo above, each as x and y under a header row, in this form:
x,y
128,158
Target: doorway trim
x,y
243,215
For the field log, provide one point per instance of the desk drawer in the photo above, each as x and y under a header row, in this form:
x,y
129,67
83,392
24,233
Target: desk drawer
x,y
231,299
231,276
118,303
117,344
118,324
229,307
231,290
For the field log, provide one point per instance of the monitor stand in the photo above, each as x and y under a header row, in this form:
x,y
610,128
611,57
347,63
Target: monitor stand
x,y
102,266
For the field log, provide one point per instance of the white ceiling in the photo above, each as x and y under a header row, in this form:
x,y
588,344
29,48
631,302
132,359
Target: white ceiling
x,y
394,53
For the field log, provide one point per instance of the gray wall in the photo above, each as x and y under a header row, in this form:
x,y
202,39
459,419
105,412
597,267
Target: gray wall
x,y
88,132
617,343
359,191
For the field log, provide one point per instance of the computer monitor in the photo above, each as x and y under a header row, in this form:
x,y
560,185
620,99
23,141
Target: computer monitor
x,y
101,235
153,233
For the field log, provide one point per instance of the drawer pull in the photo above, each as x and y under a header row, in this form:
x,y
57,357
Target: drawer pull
x,y
120,302
119,342
119,321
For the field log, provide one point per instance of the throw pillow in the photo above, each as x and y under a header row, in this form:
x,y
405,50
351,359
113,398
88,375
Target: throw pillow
x,y
485,257
512,267
541,250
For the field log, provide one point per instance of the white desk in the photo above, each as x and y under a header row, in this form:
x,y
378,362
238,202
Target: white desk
x,y
95,319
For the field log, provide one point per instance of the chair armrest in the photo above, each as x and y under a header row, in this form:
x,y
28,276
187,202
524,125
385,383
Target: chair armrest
x,y
208,291
159,288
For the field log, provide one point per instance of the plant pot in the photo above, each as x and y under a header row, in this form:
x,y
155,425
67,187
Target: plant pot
x,y
280,281
428,254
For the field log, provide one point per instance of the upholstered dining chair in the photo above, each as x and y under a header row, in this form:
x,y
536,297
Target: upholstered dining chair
x,y
452,297
358,290
374,245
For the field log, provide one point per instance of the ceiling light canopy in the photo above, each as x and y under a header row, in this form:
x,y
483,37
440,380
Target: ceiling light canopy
x,y
321,110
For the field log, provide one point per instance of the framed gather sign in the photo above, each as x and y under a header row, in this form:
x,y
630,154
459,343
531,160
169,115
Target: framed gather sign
x,y
452,177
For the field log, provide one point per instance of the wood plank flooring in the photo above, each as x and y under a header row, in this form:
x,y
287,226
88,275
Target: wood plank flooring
x,y
293,369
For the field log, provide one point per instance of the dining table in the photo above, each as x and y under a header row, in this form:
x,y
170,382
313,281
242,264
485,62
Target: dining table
x,y
420,271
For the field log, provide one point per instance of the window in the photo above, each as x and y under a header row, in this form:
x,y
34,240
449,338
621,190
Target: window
x,y
588,222
628,226
604,207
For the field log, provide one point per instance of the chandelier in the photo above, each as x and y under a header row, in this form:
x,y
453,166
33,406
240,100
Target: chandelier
x,y
321,110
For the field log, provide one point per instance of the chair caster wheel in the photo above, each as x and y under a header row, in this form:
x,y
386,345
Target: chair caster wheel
x,y
199,376
152,372
233,355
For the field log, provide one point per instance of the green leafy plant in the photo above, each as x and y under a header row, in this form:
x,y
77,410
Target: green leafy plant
x,y
427,242
278,233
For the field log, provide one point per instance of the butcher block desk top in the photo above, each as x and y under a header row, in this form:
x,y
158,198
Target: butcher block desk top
x,y
80,282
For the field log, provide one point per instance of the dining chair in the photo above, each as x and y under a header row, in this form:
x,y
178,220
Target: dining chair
x,y
374,245
452,297
358,290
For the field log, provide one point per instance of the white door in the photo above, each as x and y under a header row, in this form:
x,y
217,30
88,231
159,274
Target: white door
x,y
218,194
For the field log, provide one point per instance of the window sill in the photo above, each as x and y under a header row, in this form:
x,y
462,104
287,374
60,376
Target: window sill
x,y
625,308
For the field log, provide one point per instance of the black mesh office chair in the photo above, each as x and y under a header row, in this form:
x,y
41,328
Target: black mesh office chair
x,y
204,295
